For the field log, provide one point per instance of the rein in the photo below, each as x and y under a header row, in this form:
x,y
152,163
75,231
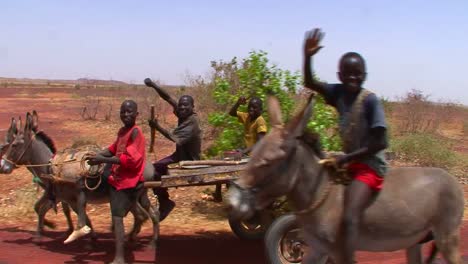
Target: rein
x,y
33,137
322,199
338,176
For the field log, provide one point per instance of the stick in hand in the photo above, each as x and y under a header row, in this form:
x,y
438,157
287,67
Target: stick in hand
x,y
153,132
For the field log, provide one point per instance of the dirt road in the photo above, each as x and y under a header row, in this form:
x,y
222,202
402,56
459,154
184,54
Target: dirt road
x,y
17,246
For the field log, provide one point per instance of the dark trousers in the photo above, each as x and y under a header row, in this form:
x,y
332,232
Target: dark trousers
x,y
160,169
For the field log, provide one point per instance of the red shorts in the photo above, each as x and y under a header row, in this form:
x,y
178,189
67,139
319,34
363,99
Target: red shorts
x,y
362,172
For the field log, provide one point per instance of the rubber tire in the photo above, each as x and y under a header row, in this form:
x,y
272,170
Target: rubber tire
x,y
281,226
243,233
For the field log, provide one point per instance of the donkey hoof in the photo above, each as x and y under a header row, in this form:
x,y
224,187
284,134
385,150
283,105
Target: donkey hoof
x,y
89,247
153,245
132,238
37,239
94,237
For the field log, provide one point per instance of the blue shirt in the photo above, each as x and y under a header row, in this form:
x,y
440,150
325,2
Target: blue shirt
x,y
355,133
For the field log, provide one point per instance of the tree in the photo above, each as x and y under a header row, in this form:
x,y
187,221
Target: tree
x,y
255,76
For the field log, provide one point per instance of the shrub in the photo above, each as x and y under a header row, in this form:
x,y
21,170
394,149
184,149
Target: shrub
x,y
255,76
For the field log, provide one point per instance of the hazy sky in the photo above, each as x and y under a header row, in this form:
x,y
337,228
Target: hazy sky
x,y
407,44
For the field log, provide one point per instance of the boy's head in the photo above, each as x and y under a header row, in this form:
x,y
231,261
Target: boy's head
x,y
255,107
185,106
128,112
352,71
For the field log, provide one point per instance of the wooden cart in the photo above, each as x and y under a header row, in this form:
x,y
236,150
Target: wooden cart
x,y
214,172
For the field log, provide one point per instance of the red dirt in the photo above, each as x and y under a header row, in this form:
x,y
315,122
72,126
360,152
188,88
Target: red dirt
x,y
196,231
194,247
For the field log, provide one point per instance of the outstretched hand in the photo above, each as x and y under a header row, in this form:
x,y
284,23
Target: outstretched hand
x,y
95,160
242,100
312,41
149,82
335,162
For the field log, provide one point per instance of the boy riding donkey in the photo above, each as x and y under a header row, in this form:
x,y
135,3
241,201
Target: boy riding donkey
x,y
187,136
363,132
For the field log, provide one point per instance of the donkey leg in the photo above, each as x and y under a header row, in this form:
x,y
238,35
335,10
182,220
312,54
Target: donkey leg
x,y
80,208
154,216
140,216
92,234
41,207
139,213
66,211
413,255
448,244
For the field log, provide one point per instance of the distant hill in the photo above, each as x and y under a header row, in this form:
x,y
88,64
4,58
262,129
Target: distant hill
x,y
81,81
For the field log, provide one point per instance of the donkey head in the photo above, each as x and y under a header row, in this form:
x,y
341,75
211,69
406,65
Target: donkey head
x,y
268,173
9,137
18,142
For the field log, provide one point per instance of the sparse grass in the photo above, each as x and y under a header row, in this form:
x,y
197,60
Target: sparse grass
x,y
83,141
425,149
19,202
460,167
465,128
75,96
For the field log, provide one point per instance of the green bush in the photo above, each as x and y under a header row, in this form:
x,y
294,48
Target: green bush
x,y
424,149
255,76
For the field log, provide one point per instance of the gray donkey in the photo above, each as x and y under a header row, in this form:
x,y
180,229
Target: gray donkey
x,y
35,150
43,201
414,202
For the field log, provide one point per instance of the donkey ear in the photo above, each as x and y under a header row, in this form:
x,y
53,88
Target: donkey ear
x,y
13,129
274,111
35,120
299,123
29,123
19,125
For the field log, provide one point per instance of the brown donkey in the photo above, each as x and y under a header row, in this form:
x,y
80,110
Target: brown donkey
x,y
414,202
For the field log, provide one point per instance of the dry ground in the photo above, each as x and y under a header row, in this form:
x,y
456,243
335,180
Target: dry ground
x,y
59,111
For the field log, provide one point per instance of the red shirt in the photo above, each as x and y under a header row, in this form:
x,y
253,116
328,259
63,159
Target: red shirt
x,y
132,157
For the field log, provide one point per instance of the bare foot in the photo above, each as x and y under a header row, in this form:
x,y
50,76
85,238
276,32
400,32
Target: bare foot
x,y
118,261
77,234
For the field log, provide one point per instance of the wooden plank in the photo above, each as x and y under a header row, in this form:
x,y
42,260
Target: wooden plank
x,y
199,179
152,184
206,171
211,162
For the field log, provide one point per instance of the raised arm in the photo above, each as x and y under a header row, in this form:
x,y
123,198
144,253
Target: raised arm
x,y
164,95
240,101
311,47
155,124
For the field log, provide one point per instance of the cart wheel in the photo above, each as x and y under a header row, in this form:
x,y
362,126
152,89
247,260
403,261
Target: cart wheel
x,y
253,228
284,243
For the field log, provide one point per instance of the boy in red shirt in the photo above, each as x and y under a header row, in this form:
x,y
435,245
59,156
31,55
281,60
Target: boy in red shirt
x,y
127,157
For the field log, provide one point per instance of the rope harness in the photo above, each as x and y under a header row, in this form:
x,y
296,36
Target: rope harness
x,y
59,161
337,176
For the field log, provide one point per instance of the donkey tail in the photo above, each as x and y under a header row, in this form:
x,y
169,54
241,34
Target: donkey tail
x,y
432,253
